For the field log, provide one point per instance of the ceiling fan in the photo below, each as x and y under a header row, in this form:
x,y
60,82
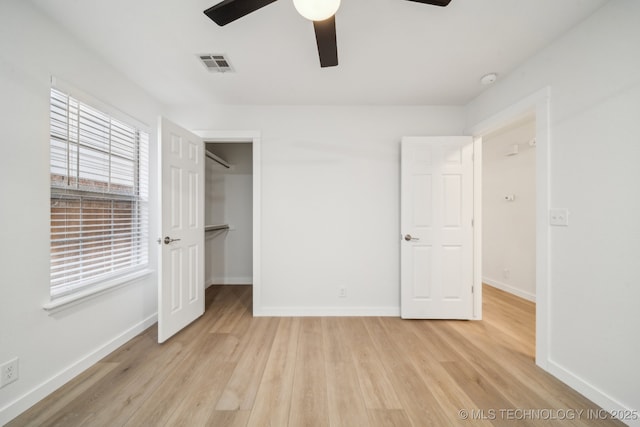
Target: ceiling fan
x,y
321,12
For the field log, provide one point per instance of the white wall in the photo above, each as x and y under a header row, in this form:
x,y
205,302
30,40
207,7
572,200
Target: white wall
x,y
51,348
330,200
228,200
509,227
594,77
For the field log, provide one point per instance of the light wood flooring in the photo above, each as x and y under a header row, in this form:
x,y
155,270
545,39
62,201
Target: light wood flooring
x,y
230,369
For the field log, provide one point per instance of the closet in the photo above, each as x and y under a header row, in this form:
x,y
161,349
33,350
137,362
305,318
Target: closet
x,y
228,213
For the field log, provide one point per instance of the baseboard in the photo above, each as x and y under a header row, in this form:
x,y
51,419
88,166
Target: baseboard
x,y
507,288
327,312
592,393
24,402
230,281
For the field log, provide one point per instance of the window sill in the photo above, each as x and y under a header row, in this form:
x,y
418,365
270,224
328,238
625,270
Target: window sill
x,y
65,302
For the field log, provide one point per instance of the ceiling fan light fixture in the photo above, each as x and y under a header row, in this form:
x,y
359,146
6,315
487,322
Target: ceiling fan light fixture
x,y
317,10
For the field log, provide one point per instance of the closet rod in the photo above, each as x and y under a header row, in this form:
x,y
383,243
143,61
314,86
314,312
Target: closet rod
x,y
216,227
217,159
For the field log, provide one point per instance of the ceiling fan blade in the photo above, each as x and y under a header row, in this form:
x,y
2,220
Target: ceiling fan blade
x,y
326,41
230,10
434,2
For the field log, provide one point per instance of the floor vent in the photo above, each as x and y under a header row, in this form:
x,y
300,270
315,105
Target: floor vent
x,y
216,63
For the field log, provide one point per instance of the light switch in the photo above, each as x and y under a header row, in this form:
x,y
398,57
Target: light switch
x,y
559,217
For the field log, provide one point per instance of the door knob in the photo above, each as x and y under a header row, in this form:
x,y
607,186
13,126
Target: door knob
x,y
168,240
408,238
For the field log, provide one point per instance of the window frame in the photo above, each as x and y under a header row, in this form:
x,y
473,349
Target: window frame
x,y
136,220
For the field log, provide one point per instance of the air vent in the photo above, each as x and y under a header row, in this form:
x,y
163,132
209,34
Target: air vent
x,y
216,63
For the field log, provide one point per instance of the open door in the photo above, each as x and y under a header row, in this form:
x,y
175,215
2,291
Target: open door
x,y
181,292
436,217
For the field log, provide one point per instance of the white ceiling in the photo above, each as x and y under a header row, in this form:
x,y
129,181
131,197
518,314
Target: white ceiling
x,y
391,52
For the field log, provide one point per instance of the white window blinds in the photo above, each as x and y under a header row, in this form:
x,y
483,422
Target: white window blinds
x,y
99,196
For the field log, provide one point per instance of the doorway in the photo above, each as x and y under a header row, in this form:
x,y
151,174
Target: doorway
x,y
509,208
537,105
509,231
228,213
252,139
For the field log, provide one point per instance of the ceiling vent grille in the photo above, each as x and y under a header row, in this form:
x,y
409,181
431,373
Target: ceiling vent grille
x,y
216,63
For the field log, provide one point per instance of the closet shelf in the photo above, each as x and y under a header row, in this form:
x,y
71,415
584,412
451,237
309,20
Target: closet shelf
x,y
217,159
216,227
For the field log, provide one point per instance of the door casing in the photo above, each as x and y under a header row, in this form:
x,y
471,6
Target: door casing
x,y
252,137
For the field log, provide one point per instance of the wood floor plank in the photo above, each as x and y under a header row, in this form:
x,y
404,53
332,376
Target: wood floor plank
x,y
138,384
127,358
388,418
225,322
160,404
226,419
418,400
273,401
483,393
317,371
375,384
521,395
510,317
121,391
240,391
46,412
425,351
345,400
229,318
200,398
309,405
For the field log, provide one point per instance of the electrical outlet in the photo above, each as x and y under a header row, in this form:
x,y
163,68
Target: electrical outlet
x,y
8,372
559,217
342,292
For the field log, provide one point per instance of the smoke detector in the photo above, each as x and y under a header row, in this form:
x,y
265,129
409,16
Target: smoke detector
x,y
216,62
489,79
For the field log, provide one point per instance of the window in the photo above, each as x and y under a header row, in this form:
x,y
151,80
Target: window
x,y
99,196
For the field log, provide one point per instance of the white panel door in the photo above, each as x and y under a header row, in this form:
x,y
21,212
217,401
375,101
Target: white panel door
x,y
181,293
436,228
